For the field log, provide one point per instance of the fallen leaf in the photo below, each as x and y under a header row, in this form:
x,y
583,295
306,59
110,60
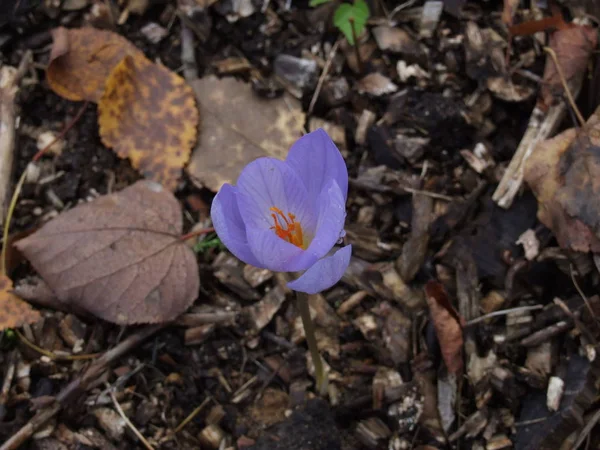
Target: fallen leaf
x,y
148,114
237,127
81,60
564,174
14,312
447,324
119,257
573,46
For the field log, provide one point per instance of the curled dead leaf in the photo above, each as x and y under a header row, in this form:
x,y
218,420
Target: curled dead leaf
x,y
148,114
119,257
14,312
447,324
82,58
564,174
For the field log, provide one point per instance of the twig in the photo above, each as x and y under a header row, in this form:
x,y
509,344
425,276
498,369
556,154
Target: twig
x,y
15,196
8,379
9,87
62,134
578,288
563,81
330,57
79,385
502,313
193,414
541,125
52,355
127,421
428,194
585,431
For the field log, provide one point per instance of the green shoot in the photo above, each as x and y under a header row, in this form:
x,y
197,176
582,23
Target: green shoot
x,y
207,244
314,3
351,19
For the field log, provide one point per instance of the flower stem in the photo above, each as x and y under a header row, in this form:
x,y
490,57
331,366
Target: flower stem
x,y
356,49
311,340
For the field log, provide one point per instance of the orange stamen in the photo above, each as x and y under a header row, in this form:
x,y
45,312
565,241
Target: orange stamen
x,y
289,230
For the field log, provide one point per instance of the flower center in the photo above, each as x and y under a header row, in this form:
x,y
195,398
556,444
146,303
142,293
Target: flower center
x,y
286,227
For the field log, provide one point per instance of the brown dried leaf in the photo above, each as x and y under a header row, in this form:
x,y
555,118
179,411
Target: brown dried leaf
x,y
81,60
119,257
238,127
447,325
148,114
573,46
564,174
14,312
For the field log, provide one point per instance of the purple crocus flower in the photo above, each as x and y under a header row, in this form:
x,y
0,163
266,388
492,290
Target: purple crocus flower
x,y
286,216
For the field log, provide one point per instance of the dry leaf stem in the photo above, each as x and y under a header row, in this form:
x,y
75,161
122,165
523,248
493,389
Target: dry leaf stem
x,y
78,385
193,234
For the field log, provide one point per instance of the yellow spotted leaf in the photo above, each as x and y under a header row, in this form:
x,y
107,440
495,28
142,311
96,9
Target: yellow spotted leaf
x,y
81,60
148,114
14,312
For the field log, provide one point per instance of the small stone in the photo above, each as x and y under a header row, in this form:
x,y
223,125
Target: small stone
x,y
211,436
46,138
111,422
376,84
154,32
396,40
299,72
335,92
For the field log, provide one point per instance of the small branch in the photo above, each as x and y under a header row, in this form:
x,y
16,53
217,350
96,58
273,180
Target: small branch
x,y
315,96
503,312
62,134
79,385
191,416
127,421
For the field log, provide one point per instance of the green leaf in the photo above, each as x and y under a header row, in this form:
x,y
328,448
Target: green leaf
x,y
207,244
346,13
314,3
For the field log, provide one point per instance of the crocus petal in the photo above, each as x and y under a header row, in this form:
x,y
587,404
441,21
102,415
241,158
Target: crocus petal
x,y
317,160
270,250
267,183
324,273
330,225
229,225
